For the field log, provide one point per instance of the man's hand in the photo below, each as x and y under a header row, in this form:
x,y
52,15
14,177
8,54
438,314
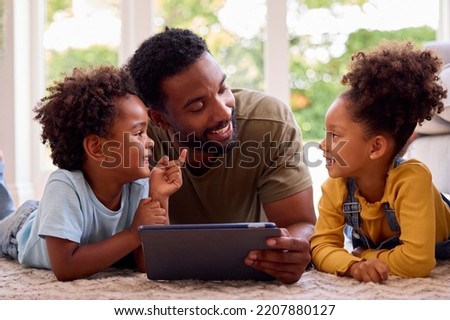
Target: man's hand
x,y
286,262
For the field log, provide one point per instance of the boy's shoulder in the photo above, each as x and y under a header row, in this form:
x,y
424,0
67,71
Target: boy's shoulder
x,y
77,176
66,175
144,182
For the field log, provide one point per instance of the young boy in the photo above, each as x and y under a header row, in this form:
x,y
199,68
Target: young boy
x,y
93,204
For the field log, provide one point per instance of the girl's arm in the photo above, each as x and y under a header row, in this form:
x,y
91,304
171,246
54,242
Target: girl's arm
x,y
414,199
327,243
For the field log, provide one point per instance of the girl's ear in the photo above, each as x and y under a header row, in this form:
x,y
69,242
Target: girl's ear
x,y
93,145
158,118
380,145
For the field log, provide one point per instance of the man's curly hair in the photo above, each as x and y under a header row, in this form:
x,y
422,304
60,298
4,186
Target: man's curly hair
x,y
392,88
82,104
160,57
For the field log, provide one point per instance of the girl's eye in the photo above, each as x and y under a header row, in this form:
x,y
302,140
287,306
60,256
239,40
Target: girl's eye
x,y
331,135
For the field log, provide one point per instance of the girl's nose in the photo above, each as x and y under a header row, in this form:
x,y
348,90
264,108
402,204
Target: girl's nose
x,y
322,145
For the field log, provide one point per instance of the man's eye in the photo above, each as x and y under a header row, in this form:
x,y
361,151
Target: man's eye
x,y
197,108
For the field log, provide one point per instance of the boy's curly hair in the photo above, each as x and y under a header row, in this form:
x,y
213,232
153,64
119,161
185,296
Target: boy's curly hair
x,y
82,104
393,88
160,57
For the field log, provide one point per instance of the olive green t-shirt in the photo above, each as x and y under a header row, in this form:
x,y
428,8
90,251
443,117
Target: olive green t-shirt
x,y
266,165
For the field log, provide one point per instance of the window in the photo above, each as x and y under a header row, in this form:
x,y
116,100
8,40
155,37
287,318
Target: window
x,y
43,38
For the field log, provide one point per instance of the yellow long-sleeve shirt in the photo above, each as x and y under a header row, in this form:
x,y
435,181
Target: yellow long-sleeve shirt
x,y
423,217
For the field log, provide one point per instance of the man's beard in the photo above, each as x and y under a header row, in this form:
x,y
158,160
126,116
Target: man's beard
x,y
194,142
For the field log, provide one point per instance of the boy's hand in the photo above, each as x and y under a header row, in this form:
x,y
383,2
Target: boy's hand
x,y
166,176
149,212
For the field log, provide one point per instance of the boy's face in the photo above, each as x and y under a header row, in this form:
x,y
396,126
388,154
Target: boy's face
x,y
128,147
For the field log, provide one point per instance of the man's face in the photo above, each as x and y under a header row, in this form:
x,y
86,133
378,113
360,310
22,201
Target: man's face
x,y
200,108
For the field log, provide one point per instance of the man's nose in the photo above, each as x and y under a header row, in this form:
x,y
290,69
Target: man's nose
x,y
221,111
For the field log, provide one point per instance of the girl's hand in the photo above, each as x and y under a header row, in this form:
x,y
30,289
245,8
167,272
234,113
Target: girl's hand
x,y
373,270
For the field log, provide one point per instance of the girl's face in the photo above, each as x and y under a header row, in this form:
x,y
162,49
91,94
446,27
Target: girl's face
x,y
345,149
128,147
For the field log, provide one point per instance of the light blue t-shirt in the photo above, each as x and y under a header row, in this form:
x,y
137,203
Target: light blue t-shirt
x,y
70,210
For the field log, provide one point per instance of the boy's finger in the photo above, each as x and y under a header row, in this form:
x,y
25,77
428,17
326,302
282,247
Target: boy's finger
x,y
163,161
182,158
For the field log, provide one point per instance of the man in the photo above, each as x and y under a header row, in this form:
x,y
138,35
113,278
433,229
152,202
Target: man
x,y
244,148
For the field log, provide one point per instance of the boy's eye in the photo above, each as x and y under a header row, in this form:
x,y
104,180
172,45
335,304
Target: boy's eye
x,y
223,89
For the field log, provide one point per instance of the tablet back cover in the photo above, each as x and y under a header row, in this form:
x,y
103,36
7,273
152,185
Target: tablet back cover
x,y
203,253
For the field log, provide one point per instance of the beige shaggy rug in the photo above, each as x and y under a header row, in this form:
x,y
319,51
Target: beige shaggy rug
x,y
20,283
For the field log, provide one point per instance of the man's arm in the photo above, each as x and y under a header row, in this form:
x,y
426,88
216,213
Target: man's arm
x,y
296,216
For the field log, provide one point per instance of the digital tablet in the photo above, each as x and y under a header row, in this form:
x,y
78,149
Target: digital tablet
x,y
204,251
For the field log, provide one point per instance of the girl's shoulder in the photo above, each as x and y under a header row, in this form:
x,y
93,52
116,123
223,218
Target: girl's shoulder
x,y
410,173
411,166
335,185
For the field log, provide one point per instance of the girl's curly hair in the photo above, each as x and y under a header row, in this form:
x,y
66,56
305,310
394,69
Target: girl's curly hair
x,y
82,104
393,88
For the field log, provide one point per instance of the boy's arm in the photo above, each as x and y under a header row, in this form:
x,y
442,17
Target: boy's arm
x,y
166,178
69,260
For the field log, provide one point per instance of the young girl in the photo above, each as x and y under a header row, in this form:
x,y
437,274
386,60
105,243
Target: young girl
x,y
396,218
92,206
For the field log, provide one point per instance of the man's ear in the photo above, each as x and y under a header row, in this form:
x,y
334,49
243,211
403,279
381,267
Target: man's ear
x,y
380,145
93,145
158,118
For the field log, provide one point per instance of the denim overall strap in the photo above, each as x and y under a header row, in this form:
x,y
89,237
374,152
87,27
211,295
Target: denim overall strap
x,y
391,218
351,206
388,211
443,248
397,161
352,212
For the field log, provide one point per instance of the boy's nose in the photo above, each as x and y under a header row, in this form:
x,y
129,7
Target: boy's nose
x,y
150,144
